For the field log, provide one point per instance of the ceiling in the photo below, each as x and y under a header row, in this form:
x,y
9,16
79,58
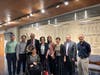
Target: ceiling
x,y
17,11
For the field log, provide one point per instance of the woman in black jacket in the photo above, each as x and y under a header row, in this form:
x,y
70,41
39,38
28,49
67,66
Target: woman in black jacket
x,y
59,57
43,51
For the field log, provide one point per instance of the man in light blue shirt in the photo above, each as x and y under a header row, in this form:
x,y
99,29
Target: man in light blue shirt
x,y
11,54
21,56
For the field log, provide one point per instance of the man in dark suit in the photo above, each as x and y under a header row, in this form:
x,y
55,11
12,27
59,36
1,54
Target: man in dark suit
x,y
71,53
33,42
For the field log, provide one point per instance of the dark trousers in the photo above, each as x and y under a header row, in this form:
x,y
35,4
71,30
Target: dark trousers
x,y
52,65
69,67
59,65
33,71
43,61
21,62
11,61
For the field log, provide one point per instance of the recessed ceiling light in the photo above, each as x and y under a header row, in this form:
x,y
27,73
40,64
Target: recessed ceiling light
x,y
76,0
57,6
28,16
42,11
31,14
66,3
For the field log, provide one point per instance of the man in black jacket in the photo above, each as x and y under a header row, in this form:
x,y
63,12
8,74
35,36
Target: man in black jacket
x,y
33,42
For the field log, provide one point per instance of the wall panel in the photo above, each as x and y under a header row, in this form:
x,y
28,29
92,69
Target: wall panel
x,y
89,27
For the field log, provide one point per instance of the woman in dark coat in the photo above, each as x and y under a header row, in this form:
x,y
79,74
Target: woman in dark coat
x,y
43,51
59,57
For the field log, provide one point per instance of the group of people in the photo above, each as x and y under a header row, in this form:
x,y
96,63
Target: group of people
x,y
56,58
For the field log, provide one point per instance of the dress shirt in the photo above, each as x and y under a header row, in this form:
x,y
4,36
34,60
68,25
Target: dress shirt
x,y
67,46
11,47
21,48
42,49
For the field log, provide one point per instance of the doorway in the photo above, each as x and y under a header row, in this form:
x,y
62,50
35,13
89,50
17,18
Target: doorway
x,y
2,65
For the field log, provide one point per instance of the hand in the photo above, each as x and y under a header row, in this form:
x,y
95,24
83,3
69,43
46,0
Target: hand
x,y
53,56
64,59
31,65
73,59
46,57
35,63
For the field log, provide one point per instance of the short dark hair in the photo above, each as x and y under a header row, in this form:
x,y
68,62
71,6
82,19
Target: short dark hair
x,y
58,38
12,34
42,37
23,36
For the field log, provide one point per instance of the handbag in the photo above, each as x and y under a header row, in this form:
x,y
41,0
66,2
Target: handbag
x,y
45,73
35,67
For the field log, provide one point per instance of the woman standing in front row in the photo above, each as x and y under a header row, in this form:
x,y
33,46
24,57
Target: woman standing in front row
x,y
50,55
43,51
60,57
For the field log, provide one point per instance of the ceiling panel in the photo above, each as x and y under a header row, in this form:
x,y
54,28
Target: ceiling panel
x,y
15,9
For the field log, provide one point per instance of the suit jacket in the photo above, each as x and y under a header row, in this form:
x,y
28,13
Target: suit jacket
x,y
36,44
46,49
72,50
62,50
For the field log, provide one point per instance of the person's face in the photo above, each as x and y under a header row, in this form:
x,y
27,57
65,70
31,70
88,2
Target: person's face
x,y
34,51
81,38
50,39
32,36
68,38
12,38
57,41
23,38
42,40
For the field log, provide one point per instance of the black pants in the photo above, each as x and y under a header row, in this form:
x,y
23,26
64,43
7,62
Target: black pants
x,y
21,62
43,60
33,71
52,65
69,67
11,61
59,65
